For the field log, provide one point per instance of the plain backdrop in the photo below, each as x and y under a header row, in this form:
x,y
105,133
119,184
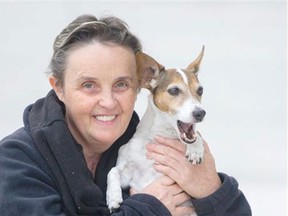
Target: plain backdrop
x,y
243,73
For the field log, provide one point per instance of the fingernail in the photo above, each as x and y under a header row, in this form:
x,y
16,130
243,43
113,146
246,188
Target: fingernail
x,y
157,137
148,146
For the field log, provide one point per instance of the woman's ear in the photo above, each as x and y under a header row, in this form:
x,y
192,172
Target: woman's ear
x,y
56,87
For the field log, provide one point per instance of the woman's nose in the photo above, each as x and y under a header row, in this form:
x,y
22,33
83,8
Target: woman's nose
x,y
107,99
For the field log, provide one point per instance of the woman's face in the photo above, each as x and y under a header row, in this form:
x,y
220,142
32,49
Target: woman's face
x,y
99,92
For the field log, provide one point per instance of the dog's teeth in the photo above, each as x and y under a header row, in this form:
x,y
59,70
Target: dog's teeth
x,y
186,139
184,135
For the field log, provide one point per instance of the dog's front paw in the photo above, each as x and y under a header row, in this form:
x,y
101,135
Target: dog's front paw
x,y
114,199
114,192
194,152
194,157
114,204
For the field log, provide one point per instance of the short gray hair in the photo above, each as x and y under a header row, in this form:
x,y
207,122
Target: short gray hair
x,y
87,29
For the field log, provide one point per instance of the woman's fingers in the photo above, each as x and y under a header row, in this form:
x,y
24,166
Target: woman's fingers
x,y
181,198
172,143
197,180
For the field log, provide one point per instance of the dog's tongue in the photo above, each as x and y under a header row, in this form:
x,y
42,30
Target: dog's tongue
x,y
186,132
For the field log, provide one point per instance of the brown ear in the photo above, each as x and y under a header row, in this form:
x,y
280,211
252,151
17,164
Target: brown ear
x,y
194,66
148,70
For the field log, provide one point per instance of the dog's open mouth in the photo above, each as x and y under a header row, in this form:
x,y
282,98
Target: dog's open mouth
x,y
187,133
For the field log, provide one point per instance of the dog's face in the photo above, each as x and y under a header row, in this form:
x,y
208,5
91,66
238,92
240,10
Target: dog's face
x,y
176,93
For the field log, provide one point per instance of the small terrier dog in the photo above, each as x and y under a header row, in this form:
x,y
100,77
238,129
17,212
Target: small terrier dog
x,y
173,110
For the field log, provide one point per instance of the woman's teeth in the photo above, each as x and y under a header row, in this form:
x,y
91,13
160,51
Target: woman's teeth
x,y
105,117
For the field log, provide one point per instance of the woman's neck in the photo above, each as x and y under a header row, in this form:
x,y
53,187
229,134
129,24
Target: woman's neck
x,y
92,160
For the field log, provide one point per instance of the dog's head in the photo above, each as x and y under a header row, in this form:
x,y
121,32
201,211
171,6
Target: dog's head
x,y
176,93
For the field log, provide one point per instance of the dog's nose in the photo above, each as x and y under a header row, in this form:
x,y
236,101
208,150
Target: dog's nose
x,y
199,114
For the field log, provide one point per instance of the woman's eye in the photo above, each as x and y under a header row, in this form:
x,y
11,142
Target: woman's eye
x,y
121,86
88,85
174,91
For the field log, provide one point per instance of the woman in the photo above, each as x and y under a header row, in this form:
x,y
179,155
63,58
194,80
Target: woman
x,y
58,162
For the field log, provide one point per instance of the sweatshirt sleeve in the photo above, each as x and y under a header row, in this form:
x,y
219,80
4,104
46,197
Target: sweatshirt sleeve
x,y
25,189
226,201
142,205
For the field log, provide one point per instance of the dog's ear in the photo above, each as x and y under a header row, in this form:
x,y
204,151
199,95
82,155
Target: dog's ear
x,y
148,70
195,65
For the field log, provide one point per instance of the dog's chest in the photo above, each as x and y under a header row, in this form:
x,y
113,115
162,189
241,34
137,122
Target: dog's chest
x,y
143,174
140,168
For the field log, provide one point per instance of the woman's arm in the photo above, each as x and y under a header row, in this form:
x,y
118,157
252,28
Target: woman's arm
x,y
227,200
201,181
142,204
171,196
25,189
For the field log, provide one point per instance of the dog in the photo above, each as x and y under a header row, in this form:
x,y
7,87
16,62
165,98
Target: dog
x,y
174,108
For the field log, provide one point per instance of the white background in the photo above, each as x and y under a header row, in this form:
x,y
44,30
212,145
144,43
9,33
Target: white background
x,y
243,73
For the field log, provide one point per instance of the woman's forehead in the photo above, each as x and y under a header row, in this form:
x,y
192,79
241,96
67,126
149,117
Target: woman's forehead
x,y
91,59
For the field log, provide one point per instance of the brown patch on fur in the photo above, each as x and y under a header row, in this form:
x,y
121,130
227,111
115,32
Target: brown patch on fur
x,y
193,83
147,70
162,99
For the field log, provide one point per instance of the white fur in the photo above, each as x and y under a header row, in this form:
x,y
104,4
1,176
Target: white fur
x,y
181,72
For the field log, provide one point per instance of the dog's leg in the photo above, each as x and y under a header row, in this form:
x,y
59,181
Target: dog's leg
x,y
195,151
119,177
114,192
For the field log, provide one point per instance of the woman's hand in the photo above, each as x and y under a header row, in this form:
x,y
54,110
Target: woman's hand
x,y
170,194
198,181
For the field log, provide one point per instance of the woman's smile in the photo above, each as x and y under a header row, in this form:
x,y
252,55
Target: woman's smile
x,y
105,118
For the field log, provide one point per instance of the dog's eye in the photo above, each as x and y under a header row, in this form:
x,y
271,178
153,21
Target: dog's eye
x,y
174,91
200,91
